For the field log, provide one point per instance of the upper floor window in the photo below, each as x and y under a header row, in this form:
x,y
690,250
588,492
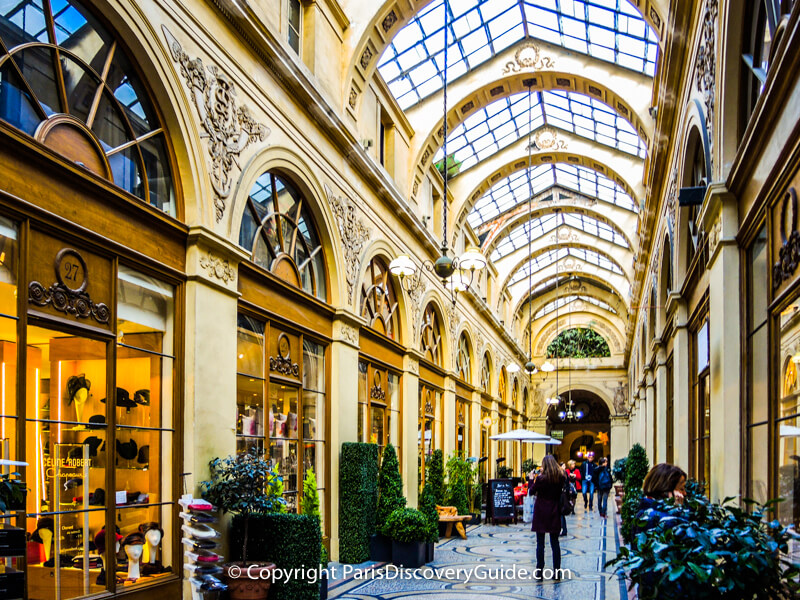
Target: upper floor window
x,y
66,80
295,20
464,359
378,303
431,337
502,385
486,373
515,393
278,229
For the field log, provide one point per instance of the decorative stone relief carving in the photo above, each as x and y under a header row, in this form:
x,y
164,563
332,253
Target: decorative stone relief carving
x,y
672,198
218,268
354,236
528,56
229,128
547,139
414,367
351,100
348,334
706,65
389,21
620,398
789,253
565,235
714,236
366,56
479,342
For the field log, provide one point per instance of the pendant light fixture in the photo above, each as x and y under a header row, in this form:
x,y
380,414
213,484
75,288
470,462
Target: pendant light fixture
x,y
458,273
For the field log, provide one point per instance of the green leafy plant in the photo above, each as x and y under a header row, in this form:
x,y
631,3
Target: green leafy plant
x,y
434,475
408,525
462,477
390,488
618,472
505,472
247,485
12,492
427,506
358,500
309,505
528,465
578,342
711,552
636,468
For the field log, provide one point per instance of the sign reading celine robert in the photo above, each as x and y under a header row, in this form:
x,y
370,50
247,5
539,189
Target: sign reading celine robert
x,y
789,252
70,283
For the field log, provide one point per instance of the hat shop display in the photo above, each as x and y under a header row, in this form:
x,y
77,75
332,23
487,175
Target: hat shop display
x,y
200,541
78,393
153,534
124,399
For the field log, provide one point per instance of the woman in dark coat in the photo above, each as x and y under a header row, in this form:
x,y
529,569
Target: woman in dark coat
x,y
547,511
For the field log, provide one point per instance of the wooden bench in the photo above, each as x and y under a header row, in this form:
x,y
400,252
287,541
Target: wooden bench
x,y
449,515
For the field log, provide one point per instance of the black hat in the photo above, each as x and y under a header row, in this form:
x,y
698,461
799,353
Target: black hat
x,y
100,539
123,399
144,455
145,527
43,523
95,444
127,450
142,397
133,539
75,383
98,421
98,498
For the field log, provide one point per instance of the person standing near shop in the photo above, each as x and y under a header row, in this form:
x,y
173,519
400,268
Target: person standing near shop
x,y
547,512
603,483
587,483
574,474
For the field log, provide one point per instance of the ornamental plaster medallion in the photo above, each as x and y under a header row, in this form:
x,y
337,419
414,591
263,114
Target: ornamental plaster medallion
x,y
547,139
528,57
389,21
354,235
229,128
706,66
218,268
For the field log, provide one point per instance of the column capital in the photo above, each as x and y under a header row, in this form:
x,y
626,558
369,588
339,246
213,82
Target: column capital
x,y
213,260
346,327
719,218
620,420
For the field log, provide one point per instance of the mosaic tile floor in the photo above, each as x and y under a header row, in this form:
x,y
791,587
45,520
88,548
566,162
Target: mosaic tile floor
x,y
487,551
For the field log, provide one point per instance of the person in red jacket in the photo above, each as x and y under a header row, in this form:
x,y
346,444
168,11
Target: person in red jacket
x,y
574,474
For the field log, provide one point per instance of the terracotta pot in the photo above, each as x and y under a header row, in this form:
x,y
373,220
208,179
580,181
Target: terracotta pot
x,y
243,587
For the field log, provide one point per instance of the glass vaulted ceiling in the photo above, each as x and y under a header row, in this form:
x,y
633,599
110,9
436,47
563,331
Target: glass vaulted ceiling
x,y
548,258
515,189
610,30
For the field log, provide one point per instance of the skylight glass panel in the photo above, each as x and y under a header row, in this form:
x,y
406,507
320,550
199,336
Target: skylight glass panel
x,y
566,300
612,31
515,189
545,260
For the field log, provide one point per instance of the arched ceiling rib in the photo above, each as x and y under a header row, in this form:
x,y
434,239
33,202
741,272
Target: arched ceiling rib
x,y
569,285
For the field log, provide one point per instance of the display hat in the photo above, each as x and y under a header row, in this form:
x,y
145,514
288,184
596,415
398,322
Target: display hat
x,y
150,526
100,539
133,539
76,383
144,455
123,399
98,498
127,450
142,397
97,421
43,523
95,444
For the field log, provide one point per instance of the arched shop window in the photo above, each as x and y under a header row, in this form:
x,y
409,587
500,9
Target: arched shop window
x,y
378,302
66,80
463,412
281,401
277,228
486,373
378,405
431,337
464,359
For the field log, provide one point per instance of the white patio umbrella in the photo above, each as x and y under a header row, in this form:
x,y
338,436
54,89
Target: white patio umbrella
x,y
521,435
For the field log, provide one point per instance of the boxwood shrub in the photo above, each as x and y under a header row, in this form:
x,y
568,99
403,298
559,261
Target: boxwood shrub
x,y
358,500
290,541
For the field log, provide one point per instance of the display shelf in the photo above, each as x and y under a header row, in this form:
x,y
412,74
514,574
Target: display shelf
x,y
201,562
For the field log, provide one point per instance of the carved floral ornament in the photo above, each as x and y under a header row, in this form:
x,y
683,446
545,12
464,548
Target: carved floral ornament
x,y
283,363
789,254
547,139
354,235
218,268
528,56
229,128
349,334
706,65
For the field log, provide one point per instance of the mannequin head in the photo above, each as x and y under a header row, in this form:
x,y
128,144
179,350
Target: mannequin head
x,y
133,544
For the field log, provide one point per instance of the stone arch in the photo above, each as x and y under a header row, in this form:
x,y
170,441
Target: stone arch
x,y
392,15
603,394
594,279
465,331
432,298
381,249
665,281
550,329
544,157
294,167
513,84
486,351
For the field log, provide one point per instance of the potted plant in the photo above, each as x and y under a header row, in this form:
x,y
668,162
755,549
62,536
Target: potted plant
x,y
246,485
618,473
712,551
12,539
390,498
409,530
505,472
636,468
309,505
461,483
427,505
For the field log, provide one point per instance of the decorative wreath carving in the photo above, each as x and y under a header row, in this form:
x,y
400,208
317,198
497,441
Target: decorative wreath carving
x,y
528,57
282,363
789,255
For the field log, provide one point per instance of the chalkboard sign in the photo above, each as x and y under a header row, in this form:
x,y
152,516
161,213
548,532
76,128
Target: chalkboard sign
x,y
501,500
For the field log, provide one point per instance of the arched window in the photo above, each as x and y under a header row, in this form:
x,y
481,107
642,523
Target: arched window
x,y
651,311
525,402
515,393
503,386
486,373
430,336
694,176
378,303
464,359
66,80
578,342
278,230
